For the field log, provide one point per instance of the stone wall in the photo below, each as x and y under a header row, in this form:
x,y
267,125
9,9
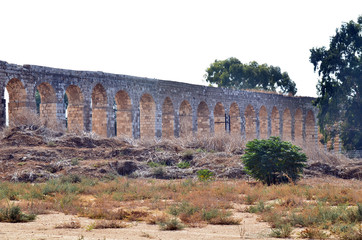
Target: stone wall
x,y
111,104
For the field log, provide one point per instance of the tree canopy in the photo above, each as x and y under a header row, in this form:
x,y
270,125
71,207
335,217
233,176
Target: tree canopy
x,y
231,73
339,85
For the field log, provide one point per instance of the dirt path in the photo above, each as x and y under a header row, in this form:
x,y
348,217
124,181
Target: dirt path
x,y
44,229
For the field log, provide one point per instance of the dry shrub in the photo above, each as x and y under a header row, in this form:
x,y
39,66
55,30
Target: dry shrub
x,y
103,224
221,142
157,218
120,214
313,233
39,207
73,224
317,154
224,218
291,201
30,118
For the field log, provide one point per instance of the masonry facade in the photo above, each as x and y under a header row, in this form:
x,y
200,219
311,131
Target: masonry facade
x,y
113,105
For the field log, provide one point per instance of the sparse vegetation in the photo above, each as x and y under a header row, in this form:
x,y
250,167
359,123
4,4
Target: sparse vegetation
x,y
320,207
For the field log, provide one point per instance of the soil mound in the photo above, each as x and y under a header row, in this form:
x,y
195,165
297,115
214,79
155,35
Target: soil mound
x,y
31,153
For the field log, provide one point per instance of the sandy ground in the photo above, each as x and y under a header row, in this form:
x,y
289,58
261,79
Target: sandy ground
x,y
43,228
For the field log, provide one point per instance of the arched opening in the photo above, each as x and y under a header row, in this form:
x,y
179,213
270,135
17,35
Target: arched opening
x,y
250,123
263,123
48,104
16,106
310,128
124,114
235,126
219,118
147,116
185,115
298,126
74,109
99,110
287,125
275,122
168,119
203,120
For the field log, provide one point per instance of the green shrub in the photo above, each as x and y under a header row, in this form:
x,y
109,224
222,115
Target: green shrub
x,y
158,172
14,214
171,225
183,165
282,231
205,175
273,161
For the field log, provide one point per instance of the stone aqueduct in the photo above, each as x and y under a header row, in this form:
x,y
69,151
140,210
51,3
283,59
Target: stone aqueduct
x,y
149,107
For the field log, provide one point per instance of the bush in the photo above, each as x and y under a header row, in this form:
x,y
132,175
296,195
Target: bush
x,y
273,161
171,225
205,175
183,165
14,214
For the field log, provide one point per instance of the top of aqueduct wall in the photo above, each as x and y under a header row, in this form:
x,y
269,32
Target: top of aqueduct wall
x,y
112,80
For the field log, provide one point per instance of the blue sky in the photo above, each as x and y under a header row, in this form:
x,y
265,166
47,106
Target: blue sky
x,y
171,40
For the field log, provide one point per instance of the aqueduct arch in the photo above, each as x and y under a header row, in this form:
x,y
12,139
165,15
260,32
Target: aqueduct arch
x,y
203,119
287,125
263,123
219,118
99,110
147,116
147,107
235,119
75,114
275,122
48,103
168,119
17,100
310,128
250,123
124,114
185,115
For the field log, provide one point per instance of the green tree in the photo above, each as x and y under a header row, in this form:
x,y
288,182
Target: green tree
x,y
339,86
273,161
231,73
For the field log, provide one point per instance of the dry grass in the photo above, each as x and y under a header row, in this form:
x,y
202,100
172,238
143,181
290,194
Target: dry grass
x,y
103,224
322,204
222,142
73,224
